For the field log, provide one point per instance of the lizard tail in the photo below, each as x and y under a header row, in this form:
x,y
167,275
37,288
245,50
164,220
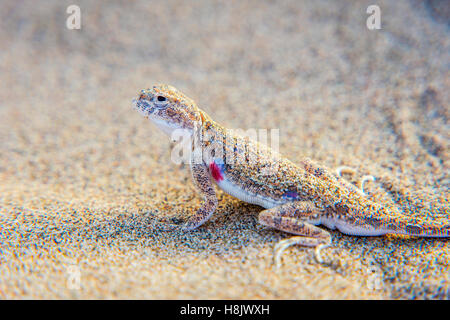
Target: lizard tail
x,y
392,220
419,228
430,231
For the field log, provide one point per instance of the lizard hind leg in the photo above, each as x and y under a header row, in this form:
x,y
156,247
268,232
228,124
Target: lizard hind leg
x,y
364,179
297,218
323,173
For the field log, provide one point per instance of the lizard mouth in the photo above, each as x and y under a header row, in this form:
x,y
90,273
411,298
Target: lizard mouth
x,y
143,107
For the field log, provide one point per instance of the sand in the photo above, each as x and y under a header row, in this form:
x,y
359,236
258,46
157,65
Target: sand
x,y
85,179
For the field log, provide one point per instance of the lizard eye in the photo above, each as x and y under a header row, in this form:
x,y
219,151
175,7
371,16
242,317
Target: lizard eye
x,y
161,98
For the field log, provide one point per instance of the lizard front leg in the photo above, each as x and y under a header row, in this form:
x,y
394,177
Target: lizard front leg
x,y
202,182
297,218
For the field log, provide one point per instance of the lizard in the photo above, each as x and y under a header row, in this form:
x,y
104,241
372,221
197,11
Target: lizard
x,y
296,198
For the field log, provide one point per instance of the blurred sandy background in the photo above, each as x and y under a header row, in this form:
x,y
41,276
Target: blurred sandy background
x,y
83,176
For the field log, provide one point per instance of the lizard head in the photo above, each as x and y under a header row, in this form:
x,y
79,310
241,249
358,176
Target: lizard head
x,y
168,108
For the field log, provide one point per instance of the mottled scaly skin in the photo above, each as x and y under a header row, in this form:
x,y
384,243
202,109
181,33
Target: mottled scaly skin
x,y
296,197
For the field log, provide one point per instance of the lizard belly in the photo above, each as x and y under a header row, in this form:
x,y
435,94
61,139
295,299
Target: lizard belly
x,y
347,228
238,191
358,230
246,196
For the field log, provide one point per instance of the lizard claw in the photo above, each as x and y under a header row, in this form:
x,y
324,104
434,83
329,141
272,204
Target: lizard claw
x,y
164,226
282,245
278,250
342,169
334,264
364,179
318,255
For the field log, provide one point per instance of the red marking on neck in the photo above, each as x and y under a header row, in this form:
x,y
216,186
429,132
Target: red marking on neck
x,y
215,172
